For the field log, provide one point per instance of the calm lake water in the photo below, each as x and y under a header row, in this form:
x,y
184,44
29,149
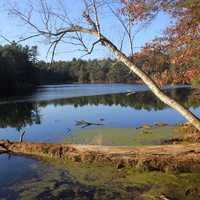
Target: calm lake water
x,y
50,114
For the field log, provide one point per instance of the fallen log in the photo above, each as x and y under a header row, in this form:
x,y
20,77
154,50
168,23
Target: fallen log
x,y
179,157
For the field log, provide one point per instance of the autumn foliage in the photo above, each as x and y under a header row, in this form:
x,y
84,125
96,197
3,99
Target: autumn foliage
x,y
174,57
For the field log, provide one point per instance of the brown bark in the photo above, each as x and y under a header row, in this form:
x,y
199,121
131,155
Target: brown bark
x,y
181,157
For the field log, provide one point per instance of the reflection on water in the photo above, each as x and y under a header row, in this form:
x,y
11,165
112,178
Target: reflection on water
x,y
51,120
51,92
19,115
39,180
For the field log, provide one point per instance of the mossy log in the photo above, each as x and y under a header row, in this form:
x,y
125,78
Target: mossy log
x,y
179,157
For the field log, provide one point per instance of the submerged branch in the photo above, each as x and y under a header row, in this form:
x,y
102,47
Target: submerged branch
x,y
85,124
22,136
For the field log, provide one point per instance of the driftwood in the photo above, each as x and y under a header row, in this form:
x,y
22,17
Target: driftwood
x,y
156,125
180,157
68,130
130,93
85,124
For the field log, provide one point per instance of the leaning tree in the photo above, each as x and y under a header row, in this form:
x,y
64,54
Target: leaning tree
x,y
87,31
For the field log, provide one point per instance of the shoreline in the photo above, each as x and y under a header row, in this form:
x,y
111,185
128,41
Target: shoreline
x,y
176,157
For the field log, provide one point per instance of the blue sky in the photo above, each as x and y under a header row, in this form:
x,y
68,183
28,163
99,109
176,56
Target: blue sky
x,y
13,28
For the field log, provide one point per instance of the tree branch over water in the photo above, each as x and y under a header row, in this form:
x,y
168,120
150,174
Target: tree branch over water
x,y
91,25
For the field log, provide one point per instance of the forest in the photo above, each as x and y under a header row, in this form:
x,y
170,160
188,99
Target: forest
x,y
20,69
17,68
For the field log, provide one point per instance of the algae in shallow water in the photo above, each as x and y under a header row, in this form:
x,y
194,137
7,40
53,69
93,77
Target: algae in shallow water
x,y
122,136
94,181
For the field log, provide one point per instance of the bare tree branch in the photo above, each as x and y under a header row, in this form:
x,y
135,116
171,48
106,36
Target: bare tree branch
x,y
29,37
6,39
127,29
97,18
122,42
92,48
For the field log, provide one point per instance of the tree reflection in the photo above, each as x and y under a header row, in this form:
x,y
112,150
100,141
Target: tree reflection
x,y
139,100
19,115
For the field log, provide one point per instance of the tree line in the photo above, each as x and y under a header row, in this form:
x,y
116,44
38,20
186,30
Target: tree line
x,y
84,71
20,70
17,67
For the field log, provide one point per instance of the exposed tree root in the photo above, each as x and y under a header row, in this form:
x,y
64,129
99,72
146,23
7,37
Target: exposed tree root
x,y
190,133
180,157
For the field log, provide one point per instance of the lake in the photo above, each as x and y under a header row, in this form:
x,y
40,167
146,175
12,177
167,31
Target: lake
x,y
50,114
